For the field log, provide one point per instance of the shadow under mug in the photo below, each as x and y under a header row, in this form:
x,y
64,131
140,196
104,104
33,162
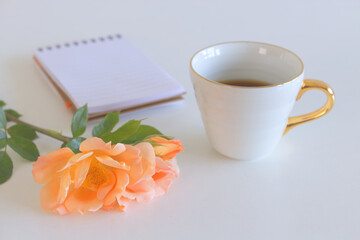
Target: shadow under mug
x,y
248,122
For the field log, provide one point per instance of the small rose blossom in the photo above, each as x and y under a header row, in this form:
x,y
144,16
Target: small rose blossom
x,y
167,149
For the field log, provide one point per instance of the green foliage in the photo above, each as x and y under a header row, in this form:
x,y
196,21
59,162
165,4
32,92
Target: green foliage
x,y
6,167
78,127
2,139
122,133
13,113
144,132
24,147
78,124
131,132
20,136
2,118
22,130
74,144
106,125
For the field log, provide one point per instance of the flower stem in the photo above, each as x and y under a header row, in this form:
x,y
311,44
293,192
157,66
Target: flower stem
x,y
38,129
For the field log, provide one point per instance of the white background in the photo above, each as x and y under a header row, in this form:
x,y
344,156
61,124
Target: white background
x,y
308,189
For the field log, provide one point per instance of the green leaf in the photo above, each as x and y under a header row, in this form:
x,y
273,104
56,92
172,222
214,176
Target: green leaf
x,y
2,103
153,143
6,167
78,124
13,113
24,147
74,144
22,130
107,124
143,132
2,119
2,139
122,132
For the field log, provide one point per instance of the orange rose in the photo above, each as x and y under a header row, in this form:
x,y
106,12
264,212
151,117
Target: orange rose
x,y
101,176
168,148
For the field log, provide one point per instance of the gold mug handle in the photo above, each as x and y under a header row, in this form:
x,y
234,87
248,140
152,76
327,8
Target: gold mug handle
x,y
309,84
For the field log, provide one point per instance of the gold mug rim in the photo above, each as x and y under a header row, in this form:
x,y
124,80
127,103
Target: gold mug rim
x,y
246,87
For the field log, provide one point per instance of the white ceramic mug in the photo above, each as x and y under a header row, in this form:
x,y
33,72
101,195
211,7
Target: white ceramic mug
x,y
248,122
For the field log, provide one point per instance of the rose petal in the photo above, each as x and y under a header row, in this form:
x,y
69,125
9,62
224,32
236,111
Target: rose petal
x,y
81,172
65,182
143,190
82,200
118,148
54,193
49,195
47,166
98,146
140,196
174,166
123,203
161,164
131,157
107,207
167,166
147,158
76,158
144,185
166,172
122,180
163,183
105,188
108,161
61,210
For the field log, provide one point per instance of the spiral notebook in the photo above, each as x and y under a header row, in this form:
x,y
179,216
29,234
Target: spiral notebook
x,y
108,74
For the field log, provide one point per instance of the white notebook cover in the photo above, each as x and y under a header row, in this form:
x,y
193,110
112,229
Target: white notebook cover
x,y
107,74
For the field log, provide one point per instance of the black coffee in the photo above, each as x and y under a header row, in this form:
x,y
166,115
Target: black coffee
x,y
245,83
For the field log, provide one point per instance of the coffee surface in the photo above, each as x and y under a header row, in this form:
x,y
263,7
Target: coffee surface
x,y
245,83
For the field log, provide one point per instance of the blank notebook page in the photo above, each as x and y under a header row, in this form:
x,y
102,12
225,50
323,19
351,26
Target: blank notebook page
x,y
107,74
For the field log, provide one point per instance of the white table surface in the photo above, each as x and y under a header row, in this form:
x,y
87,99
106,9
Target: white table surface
x,y
308,189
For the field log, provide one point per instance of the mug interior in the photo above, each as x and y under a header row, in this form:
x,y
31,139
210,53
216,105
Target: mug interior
x,y
247,60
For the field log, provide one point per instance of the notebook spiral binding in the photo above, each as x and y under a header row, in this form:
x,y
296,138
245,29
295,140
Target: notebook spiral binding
x,y
84,42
